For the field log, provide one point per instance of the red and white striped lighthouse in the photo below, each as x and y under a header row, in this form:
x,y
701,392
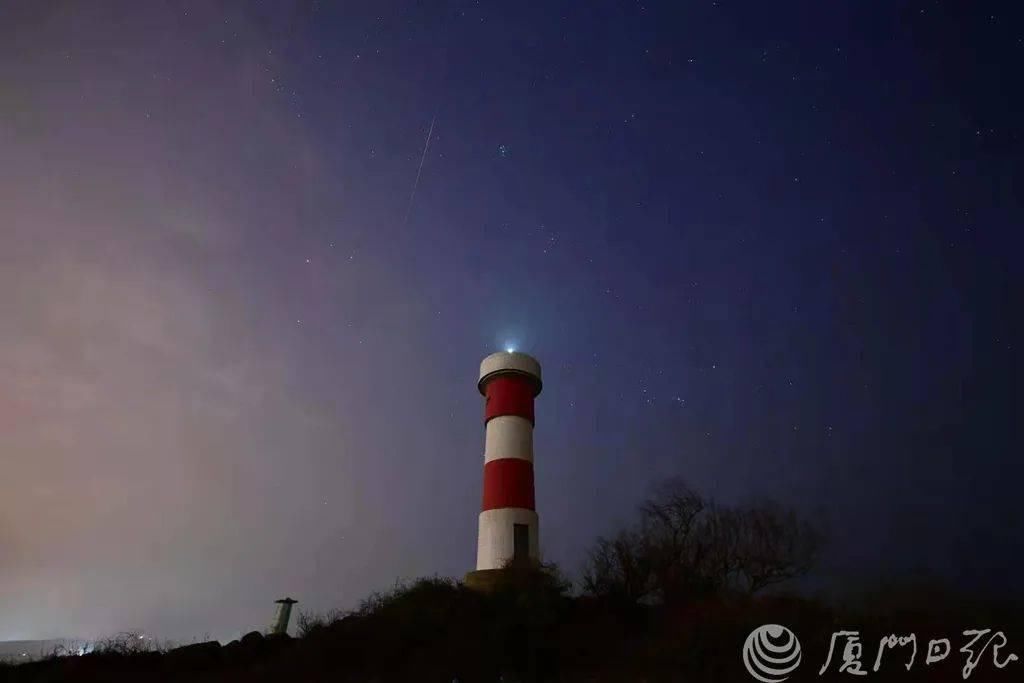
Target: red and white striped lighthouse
x,y
508,518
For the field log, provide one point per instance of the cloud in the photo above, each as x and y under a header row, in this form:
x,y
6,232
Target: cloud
x,y
163,464
121,416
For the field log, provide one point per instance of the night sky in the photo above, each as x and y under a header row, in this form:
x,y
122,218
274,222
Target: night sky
x,y
771,248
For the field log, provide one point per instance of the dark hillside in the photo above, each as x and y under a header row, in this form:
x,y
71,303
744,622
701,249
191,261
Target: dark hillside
x,y
437,630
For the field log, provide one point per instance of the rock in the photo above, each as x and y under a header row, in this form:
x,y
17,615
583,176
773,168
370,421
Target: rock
x,y
195,656
276,642
252,638
233,651
277,638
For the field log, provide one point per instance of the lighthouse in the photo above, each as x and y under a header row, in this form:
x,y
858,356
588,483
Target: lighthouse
x,y
508,533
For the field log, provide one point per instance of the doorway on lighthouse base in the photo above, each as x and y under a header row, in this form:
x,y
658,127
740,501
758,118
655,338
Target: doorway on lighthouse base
x,y
520,543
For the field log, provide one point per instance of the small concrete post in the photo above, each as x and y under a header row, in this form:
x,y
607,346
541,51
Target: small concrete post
x,y
284,614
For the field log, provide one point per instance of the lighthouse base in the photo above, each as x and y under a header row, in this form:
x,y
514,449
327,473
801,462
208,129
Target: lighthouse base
x,y
514,577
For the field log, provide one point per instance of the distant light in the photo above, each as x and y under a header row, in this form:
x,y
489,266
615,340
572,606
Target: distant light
x,y
510,349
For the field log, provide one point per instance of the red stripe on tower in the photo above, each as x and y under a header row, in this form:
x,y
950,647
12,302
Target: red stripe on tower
x,y
508,483
509,395
508,525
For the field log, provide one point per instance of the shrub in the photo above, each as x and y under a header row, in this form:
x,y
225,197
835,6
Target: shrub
x,y
309,622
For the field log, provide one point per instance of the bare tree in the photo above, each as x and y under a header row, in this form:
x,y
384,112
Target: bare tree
x,y
685,546
773,545
619,568
679,540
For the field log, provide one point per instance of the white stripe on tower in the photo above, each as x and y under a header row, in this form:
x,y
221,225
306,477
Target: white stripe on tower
x,y
508,436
